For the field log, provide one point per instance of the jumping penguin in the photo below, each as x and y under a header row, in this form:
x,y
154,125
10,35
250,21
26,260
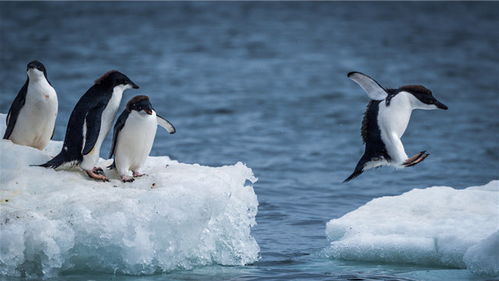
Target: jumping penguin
x,y
133,137
89,123
31,117
385,121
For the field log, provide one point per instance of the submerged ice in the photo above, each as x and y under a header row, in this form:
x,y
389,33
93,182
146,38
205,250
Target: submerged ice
x,y
178,217
438,226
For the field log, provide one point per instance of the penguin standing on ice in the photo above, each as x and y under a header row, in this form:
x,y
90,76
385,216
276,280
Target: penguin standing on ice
x,y
385,121
31,117
89,123
133,137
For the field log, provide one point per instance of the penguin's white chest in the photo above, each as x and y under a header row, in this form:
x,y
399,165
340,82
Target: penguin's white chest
x,y
108,114
393,119
392,122
107,117
36,120
135,141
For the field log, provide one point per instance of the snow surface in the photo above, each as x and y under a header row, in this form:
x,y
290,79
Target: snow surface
x,y
483,258
177,217
438,226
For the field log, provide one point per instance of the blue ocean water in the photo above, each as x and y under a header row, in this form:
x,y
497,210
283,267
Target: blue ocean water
x,y
265,84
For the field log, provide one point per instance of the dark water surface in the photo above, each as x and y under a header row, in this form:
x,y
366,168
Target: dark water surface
x,y
265,84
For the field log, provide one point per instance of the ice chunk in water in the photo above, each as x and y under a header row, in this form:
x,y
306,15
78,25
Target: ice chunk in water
x,y
177,217
432,226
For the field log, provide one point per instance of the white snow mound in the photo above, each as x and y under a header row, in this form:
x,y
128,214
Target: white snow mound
x,y
439,226
176,217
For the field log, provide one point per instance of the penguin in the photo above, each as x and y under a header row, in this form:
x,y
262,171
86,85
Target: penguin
x,y
89,124
133,136
385,121
32,114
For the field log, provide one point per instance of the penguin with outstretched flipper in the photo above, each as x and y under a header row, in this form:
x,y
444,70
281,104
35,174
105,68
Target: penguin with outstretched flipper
x,y
386,120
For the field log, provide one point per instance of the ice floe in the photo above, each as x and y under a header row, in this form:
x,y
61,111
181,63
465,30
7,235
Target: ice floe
x,y
438,226
179,216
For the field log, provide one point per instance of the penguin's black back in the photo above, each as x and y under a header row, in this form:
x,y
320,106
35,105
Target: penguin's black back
x,y
120,123
375,148
15,108
96,97
371,133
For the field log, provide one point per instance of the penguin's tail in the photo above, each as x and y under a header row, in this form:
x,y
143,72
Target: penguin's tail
x,y
355,174
54,162
358,169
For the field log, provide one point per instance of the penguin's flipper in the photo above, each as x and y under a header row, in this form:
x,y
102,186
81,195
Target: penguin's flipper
x,y
93,123
166,124
14,110
369,85
120,123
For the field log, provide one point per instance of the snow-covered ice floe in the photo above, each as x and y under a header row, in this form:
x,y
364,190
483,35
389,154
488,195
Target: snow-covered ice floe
x,y
176,217
437,226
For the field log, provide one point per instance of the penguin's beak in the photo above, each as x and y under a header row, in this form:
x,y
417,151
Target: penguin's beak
x,y
135,86
441,105
148,111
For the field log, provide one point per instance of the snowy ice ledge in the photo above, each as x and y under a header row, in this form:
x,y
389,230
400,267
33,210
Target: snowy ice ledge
x,y
177,217
439,226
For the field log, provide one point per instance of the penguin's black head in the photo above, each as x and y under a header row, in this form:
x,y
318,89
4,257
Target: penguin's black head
x,y
115,78
425,96
140,103
38,66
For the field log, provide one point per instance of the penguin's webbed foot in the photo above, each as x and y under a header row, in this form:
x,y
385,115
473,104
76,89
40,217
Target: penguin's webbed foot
x,y
418,158
413,158
127,179
137,174
98,171
97,175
